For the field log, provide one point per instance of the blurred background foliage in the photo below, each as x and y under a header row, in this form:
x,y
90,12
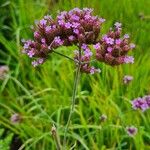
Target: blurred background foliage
x,y
41,96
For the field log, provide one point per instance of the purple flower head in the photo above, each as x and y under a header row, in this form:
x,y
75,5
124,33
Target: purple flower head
x,y
140,103
109,40
88,53
31,53
131,130
76,31
97,46
36,34
118,41
58,41
48,29
43,40
84,46
68,25
126,36
127,79
93,70
132,46
43,22
75,25
71,38
118,25
87,17
147,99
129,59
61,22
34,63
109,49
75,17
102,20
48,17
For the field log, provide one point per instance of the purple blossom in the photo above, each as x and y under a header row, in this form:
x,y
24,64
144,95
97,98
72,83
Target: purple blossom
x,y
131,130
87,17
118,25
109,49
48,29
43,22
129,59
71,38
48,17
76,31
68,25
104,37
118,41
132,45
43,40
140,103
31,53
102,20
61,22
147,99
109,40
36,34
88,53
75,17
93,70
35,63
84,46
127,79
96,46
58,41
75,25
126,36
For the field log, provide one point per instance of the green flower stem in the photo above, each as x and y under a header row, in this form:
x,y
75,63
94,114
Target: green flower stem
x,y
65,56
75,86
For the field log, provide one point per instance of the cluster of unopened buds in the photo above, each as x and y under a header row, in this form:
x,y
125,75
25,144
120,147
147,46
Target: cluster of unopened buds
x,y
141,103
79,27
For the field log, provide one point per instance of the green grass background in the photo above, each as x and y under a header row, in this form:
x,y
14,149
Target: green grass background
x,y
43,95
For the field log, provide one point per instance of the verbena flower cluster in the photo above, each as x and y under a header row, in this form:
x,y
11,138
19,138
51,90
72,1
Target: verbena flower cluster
x,y
141,103
78,27
112,48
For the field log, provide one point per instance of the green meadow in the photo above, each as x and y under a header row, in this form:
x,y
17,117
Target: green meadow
x,y
42,95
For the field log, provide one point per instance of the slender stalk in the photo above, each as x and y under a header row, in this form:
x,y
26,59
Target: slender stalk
x,y
65,56
77,75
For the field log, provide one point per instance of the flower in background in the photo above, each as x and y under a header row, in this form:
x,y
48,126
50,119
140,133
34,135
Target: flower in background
x,y
103,118
15,118
141,103
3,72
131,130
127,79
